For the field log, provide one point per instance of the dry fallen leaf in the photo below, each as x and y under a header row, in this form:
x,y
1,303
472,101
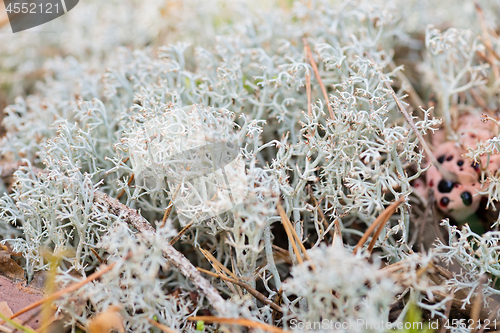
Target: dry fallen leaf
x,y
17,297
7,312
106,321
9,268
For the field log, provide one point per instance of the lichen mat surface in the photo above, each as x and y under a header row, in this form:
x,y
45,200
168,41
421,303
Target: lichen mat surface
x,y
225,166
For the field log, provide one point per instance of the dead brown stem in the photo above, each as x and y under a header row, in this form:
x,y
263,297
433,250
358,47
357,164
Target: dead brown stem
x,y
487,42
289,234
240,322
162,327
447,313
381,219
101,261
283,254
478,302
445,173
292,235
480,101
308,86
128,184
220,268
169,207
245,286
321,215
318,76
174,257
64,291
415,99
182,232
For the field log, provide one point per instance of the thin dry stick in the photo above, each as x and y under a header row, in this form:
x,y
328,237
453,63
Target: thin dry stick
x,y
248,288
392,207
215,264
414,97
50,322
387,214
445,173
128,184
101,261
239,321
14,324
4,20
213,261
233,265
62,292
321,215
482,56
447,312
299,241
478,302
491,318
318,77
171,204
487,42
380,227
294,233
174,257
182,232
284,220
480,101
162,327
169,207
284,254
308,86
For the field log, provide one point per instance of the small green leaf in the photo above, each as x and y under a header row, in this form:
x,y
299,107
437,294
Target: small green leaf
x,y
200,325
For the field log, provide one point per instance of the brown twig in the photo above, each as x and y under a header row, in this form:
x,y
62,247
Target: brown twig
x,y
290,233
214,262
447,312
445,173
245,286
128,184
414,97
480,101
169,207
478,302
482,56
220,268
174,257
294,233
284,254
64,291
182,232
308,85
380,220
491,318
487,42
240,322
4,20
380,227
171,204
101,261
162,327
318,76
321,215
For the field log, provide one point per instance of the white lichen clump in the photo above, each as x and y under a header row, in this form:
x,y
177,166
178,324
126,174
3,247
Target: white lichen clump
x,y
224,130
